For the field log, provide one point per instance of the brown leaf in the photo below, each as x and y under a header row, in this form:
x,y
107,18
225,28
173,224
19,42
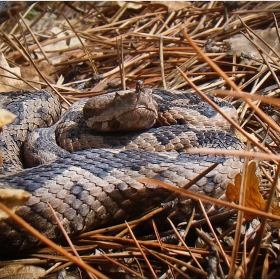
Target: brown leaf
x,y
8,81
275,211
13,199
239,43
174,6
253,198
20,271
6,117
276,208
134,6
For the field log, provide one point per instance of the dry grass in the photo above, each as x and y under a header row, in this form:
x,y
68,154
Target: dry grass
x,y
160,43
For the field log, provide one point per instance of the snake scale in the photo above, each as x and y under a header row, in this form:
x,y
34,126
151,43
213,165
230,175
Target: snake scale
x,y
91,181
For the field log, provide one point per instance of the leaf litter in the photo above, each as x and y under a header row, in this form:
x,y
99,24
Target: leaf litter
x,y
151,44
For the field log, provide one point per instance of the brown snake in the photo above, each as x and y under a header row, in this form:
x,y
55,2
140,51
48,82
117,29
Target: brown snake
x,y
98,187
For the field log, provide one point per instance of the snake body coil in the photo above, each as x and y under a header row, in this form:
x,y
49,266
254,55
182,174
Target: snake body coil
x,y
98,186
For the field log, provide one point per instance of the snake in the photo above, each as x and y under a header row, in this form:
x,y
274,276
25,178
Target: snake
x,y
87,162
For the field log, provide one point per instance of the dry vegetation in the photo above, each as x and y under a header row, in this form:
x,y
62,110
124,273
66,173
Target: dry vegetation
x,y
81,49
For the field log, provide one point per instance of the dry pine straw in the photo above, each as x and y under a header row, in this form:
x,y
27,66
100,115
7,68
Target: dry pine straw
x,y
155,42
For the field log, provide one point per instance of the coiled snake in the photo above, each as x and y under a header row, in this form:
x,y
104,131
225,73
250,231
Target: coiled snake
x,y
98,186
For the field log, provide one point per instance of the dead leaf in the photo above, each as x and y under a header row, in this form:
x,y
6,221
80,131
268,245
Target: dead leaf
x,y
239,43
60,46
275,211
46,22
6,117
276,208
47,70
253,198
29,73
174,6
9,81
13,199
133,6
20,271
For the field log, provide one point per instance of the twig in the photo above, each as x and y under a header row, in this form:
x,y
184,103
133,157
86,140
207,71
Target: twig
x,y
50,243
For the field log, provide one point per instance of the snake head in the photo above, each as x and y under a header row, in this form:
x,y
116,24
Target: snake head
x,y
127,110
